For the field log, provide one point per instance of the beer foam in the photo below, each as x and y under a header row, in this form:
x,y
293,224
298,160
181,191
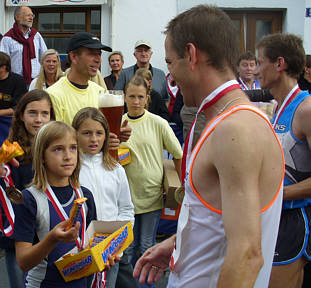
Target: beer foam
x,y
110,100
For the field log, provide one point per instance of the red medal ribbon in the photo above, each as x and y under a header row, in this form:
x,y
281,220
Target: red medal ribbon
x,y
9,213
291,95
63,215
7,206
245,87
210,100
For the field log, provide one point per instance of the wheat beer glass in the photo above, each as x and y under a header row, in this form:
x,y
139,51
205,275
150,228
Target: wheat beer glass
x,y
111,104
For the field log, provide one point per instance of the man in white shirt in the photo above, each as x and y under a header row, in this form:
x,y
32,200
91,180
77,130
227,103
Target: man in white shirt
x,y
24,45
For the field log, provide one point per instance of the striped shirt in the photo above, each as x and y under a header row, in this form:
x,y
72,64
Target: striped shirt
x,y
15,50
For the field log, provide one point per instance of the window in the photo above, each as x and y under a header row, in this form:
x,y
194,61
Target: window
x,y
58,24
253,25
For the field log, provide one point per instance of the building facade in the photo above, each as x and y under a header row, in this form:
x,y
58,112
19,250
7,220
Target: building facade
x,y
120,23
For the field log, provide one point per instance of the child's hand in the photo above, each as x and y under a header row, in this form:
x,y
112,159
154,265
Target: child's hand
x,y
112,262
125,131
3,170
71,235
114,142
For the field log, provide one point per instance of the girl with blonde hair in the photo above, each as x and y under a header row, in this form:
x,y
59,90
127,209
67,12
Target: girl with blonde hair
x,y
40,232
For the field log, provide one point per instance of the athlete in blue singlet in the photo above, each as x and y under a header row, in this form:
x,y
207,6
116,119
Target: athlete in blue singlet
x,y
281,60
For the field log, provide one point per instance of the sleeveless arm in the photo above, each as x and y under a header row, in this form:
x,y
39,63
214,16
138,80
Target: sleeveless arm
x,y
302,130
238,159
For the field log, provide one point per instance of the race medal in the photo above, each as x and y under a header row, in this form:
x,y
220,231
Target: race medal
x,y
179,194
14,195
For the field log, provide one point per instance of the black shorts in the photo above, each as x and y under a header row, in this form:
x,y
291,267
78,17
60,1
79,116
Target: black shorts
x,y
294,236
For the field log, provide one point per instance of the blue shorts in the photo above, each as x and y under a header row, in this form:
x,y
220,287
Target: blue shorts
x,y
294,239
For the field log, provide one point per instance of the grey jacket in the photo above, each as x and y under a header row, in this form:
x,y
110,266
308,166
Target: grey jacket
x,y
158,80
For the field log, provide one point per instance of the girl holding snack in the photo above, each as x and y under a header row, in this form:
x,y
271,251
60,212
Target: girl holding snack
x,y
101,173
150,136
32,111
40,228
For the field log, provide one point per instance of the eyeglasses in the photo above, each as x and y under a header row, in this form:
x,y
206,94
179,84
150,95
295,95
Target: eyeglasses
x,y
30,15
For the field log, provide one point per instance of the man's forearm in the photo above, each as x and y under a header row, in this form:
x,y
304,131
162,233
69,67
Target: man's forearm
x,y
240,269
6,112
301,190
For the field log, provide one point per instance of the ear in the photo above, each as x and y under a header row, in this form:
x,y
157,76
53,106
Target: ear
x,y
192,55
280,64
73,57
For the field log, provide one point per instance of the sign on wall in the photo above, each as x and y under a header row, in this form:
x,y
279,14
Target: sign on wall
x,y
53,2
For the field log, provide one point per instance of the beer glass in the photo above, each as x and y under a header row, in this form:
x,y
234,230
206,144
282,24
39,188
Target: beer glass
x,y
111,104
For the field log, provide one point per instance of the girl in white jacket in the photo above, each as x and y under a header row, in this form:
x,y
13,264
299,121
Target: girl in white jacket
x,y
101,174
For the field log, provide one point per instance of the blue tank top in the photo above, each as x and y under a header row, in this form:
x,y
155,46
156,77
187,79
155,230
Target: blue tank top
x,y
296,152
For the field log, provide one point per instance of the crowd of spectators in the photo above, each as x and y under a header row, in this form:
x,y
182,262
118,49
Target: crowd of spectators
x,y
34,90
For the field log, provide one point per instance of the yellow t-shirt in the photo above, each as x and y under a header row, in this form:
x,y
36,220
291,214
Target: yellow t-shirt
x,y
150,135
67,99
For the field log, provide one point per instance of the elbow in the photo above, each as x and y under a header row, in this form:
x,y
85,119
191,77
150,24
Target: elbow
x,y
255,258
24,267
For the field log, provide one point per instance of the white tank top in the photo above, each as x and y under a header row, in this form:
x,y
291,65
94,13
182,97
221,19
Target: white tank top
x,y
201,241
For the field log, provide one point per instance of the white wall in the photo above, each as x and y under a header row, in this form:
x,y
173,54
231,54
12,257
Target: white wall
x,y
294,21
141,19
307,36
126,21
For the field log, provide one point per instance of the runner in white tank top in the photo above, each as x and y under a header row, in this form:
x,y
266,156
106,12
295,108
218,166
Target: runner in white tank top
x,y
227,226
201,241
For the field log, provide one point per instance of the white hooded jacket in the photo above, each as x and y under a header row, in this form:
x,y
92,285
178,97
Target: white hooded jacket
x,y
110,189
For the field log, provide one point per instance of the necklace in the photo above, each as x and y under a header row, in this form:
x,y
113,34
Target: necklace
x,y
227,105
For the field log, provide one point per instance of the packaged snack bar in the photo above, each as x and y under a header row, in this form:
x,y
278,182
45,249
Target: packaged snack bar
x,y
8,151
97,238
74,212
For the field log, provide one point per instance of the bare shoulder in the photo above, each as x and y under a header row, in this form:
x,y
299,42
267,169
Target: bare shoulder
x,y
243,138
302,120
304,109
243,128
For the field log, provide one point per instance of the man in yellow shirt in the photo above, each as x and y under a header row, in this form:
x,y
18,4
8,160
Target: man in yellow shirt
x,y
75,91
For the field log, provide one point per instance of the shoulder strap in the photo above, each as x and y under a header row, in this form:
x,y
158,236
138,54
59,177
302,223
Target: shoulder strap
x,y
43,215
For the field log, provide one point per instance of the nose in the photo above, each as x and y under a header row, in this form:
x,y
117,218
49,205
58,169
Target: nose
x,y
38,118
97,58
136,100
67,153
93,137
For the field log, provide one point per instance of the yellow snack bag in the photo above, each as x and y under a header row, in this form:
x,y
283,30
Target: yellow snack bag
x,y
8,151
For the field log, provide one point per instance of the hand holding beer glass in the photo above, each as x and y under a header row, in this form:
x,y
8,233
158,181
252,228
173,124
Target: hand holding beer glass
x,y
111,104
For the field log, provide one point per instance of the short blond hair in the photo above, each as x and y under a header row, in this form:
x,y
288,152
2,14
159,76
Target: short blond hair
x,y
45,136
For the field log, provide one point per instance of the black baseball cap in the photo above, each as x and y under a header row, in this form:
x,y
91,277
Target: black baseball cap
x,y
88,40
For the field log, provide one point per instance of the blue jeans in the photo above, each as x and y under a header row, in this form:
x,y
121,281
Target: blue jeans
x,y
16,275
145,230
111,277
125,274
